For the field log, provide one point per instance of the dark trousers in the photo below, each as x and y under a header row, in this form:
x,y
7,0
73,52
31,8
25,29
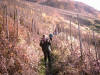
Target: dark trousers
x,y
47,58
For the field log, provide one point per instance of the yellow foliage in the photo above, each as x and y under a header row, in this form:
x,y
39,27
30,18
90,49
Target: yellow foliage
x,y
56,52
43,14
32,12
20,71
11,54
1,19
61,6
47,18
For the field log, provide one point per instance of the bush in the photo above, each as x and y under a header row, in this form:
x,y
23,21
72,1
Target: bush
x,y
21,20
97,26
85,21
54,69
42,67
97,21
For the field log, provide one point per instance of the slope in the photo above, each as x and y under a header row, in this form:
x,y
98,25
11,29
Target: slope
x,y
70,5
33,20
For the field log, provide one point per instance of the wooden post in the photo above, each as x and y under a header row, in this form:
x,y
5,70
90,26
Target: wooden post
x,y
57,29
94,40
3,7
81,51
14,22
32,25
7,26
89,41
71,32
17,21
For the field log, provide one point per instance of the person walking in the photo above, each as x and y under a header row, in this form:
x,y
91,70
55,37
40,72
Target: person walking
x,y
45,44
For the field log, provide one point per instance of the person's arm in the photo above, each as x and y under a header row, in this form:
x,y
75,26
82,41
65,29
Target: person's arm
x,y
41,43
49,42
50,39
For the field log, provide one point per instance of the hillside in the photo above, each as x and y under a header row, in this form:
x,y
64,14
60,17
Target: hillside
x,y
22,24
70,5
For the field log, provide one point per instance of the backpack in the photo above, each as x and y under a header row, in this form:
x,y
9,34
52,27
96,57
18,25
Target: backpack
x,y
42,42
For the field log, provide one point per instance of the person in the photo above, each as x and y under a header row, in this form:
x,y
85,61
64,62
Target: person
x,y
51,36
45,44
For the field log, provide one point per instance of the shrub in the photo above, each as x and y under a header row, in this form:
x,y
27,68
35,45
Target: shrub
x,y
21,20
85,21
97,21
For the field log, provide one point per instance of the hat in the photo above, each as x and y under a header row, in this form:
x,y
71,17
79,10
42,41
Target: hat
x,y
50,35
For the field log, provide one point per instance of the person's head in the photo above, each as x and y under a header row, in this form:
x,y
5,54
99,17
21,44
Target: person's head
x,y
50,36
43,36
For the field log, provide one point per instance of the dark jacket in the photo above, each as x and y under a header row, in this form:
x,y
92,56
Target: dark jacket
x,y
45,44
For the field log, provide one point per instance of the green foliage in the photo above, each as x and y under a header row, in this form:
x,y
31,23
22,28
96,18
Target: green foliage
x,y
42,67
96,27
54,57
54,69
